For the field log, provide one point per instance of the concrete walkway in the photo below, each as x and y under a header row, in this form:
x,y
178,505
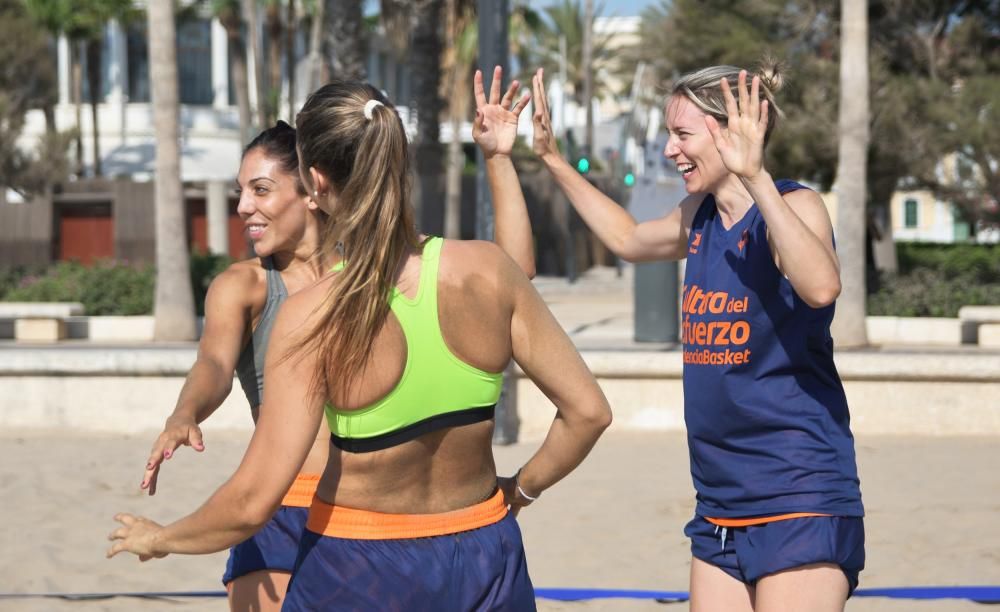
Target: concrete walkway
x,y
128,387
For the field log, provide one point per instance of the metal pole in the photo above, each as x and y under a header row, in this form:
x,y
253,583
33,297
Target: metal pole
x,y
493,51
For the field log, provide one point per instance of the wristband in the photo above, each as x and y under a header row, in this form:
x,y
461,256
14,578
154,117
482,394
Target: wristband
x,y
520,491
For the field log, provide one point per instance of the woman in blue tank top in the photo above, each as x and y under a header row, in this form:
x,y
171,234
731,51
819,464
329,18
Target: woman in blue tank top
x,y
778,514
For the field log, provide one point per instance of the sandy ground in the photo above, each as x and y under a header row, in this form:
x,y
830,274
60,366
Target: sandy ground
x,y
616,523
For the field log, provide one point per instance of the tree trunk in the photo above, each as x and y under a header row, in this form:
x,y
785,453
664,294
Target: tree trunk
x,y
94,84
174,306
316,47
458,102
76,76
849,323
249,9
346,39
290,30
453,182
241,86
425,66
274,30
588,77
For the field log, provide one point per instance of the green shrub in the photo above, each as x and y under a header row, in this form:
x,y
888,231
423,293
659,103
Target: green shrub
x,y
977,261
204,268
107,287
935,280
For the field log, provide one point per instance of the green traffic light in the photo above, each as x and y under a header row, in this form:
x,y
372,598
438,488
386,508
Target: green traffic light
x,y
629,179
583,165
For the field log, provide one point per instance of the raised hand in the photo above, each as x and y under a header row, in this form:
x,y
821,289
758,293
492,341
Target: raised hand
x,y
177,433
136,535
495,127
543,142
741,144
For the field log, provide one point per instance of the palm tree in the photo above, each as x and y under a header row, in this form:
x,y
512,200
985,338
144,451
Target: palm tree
x,y
274,27
463,35
346,38
228,14
849,323
459,56
56,16
249,10
91,18
174,305
568,21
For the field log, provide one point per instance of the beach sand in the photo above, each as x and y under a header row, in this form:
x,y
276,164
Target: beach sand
x,y
616,522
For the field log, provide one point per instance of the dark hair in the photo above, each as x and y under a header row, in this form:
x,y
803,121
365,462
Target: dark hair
x,y
278,143
352,134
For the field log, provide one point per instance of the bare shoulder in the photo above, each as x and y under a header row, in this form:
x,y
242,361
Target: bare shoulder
x,y
240,282
465,261
301,304
808,205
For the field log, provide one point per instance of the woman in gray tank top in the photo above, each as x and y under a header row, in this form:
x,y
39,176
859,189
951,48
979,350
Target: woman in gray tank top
x,y
285,227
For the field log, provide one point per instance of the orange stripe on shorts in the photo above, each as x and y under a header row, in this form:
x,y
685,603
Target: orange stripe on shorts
x,y
302,491
339,522
760,520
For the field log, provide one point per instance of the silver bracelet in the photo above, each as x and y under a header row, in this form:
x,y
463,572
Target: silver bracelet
x,y
520,491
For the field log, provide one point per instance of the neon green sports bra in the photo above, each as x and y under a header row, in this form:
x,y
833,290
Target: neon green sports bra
x,y
437,389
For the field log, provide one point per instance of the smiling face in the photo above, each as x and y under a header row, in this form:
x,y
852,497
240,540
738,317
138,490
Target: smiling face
x,y
691,148
273,210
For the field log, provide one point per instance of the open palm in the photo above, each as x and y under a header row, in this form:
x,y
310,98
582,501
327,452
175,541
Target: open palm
x,y
544,140
495,127
741,144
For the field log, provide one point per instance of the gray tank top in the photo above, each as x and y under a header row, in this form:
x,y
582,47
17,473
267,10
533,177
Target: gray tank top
x,y
250,367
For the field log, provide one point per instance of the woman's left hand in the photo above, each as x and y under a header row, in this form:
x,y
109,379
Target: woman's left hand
x,y
136,535
495,127
741,143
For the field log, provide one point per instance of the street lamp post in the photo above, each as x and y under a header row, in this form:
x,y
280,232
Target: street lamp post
x,y
493,51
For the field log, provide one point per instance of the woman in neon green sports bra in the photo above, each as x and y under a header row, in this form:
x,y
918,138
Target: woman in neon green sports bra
x,y
401,348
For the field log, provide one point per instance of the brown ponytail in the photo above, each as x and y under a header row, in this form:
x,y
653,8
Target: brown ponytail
x,y
366,161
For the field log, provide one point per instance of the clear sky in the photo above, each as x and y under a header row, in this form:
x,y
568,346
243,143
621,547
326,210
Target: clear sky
x,y
624,8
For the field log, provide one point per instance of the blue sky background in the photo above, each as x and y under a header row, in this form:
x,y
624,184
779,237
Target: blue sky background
x,y
624,8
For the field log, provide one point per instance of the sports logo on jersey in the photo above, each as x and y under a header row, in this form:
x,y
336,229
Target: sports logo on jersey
x,y
693,249
743,240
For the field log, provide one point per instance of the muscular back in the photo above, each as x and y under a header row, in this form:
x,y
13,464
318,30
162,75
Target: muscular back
x,y
449,468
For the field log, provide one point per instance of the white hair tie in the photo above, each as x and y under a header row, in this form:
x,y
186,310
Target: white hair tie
x,y
370,106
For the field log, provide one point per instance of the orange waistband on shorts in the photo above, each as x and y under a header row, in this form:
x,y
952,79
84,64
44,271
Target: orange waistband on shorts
x,y
760,520
340,522
302,491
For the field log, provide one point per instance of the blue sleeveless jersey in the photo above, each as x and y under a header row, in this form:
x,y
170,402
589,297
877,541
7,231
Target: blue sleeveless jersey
x,y
767,419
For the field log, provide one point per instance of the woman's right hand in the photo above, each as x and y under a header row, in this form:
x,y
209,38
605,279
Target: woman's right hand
x,y
543,141
178,431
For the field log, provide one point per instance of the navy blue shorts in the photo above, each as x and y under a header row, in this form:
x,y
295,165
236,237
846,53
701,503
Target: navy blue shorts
x,y
479,569
274,547
750,553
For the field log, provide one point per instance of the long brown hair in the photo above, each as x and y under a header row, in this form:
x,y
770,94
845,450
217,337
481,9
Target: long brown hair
x,y
360,147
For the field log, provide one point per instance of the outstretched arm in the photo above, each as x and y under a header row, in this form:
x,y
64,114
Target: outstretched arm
x,y
799,228
280,443
664,238
227,319
495,130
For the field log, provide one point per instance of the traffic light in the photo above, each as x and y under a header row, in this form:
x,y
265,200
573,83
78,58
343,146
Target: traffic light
x,y
629,179
583,165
